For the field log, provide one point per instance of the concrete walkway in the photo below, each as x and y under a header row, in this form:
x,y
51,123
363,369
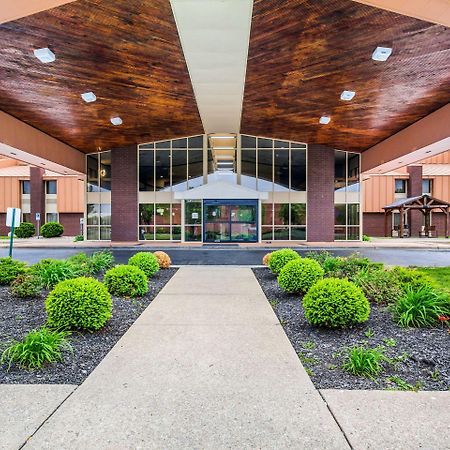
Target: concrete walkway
x,y
206,366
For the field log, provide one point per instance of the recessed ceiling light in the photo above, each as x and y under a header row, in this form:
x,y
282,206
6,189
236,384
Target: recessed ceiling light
x,y
44,55
116,121
381,53
12,153
428,151
347,95
324,120
88,97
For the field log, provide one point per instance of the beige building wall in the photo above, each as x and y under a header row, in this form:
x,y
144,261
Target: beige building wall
x,y
70,195
9,193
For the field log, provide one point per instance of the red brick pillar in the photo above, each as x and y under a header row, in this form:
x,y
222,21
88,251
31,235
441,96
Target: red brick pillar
x,y
415,218
124,194
320,177
37,194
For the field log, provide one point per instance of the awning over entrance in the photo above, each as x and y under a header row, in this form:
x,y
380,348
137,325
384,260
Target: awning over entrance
x,y
221,190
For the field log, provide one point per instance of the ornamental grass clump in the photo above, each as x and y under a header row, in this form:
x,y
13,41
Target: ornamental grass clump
x,y
126,281
364,362
10,269
52,271
164,260
146,261
423,307
78,304
26,285
348,267
335,303
298,275
36,349
279,258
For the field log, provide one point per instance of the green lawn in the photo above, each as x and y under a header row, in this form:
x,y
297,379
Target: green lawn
x,y
440,274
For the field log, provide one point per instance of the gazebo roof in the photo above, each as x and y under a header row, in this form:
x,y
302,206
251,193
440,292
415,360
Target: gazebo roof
x,y
425,202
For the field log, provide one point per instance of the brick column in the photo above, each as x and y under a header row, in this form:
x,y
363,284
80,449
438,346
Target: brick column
x,y
37,194
414,190
320,194
124,194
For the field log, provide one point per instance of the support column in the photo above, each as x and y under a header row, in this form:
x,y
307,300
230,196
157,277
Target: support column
x,y
37,194
124,194
320,176
414,189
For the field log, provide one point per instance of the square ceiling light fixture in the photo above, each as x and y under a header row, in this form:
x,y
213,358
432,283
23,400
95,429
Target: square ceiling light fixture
x,y
381,53
325,120
45,55
347,95
89,97
116,120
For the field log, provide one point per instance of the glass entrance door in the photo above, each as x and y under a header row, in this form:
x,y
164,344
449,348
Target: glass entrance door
x,y
230,220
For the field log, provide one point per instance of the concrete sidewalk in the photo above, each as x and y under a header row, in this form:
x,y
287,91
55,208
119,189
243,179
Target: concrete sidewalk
x,y
206,366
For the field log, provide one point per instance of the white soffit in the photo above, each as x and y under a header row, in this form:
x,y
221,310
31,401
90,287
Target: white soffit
x,y
215,36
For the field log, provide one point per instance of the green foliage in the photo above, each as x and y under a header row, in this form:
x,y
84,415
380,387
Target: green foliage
x,y
366,238
369,333
81,264
299,275
439,275
126,281
280,258
389,342
421,307
146,261
52,229
365,362
320,256
10,269
26,285
101,261
78,304
25,230
78,238
335,303
37,348
52,271
412,279
379,286
348,267
402,385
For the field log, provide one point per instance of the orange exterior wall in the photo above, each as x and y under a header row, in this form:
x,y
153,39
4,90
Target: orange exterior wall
x,y
443,158
441,187
379,191
9,193
70,195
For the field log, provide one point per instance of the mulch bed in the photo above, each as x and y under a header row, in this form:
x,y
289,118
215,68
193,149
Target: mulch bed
x,y
423,355
18,316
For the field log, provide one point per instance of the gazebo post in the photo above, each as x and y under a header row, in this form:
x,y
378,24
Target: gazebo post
x,y
401,222
385,223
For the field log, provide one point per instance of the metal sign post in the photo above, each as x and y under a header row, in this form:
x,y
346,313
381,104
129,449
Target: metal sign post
x,y
12,221
38,223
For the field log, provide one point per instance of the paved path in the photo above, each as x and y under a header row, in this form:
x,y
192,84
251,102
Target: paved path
x,y
206,366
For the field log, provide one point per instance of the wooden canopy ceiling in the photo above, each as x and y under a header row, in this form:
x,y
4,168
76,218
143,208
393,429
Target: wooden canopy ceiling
x,y
126,51
304,53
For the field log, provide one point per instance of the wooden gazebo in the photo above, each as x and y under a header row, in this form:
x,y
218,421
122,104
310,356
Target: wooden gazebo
x,y
423,203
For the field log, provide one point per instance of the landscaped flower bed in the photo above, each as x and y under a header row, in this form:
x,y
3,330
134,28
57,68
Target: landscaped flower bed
x,y
377,353
22,311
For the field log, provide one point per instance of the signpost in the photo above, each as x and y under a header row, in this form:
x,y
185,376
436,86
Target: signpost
x,y
38,224
12,221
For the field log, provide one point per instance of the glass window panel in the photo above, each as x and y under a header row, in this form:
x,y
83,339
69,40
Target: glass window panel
x,y
164,144
266,213
146,233
105,233
281,233
298,170
195,160
245,232
162,163
25,186
281,213
51,217
179,143
179,170
298,233
105,171
281,170
298,145
248,142
93,214
353,214
105,214
248,168
266,233
92,233
400,186
427,186
265,143
162,214
196,142
26,217
162,233
146,214
339,171
243,213
176,233
353,233
193,233
265,170
281,144
339,233
176,213
339,214
217,231
217,213
298,214
50,187
353,172
192,212
146,170
92,173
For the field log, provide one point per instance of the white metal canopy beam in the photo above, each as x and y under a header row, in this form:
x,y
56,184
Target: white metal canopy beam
x,y
215,36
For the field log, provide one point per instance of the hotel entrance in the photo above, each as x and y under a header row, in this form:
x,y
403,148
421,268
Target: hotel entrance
x,y
230,221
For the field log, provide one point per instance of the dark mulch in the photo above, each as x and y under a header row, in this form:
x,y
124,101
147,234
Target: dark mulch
x,y
423,354
18,316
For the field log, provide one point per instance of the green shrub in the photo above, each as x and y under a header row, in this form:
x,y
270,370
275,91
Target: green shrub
x,y
146,261
102,260
81,264
88,265
320,256
299,275
365,362
52,229
379,286
52,271
78,304
335,303
78,238
279,258
37,348
421,307
366,238
26,285
126,281
25,230
348,267
10,269
412,279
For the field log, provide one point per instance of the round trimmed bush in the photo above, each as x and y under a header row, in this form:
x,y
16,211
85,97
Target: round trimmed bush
x,y
126,281
266,258
335,303
279,258
298,275
78,304
164,260
25,230
52,229
10,269
146,261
